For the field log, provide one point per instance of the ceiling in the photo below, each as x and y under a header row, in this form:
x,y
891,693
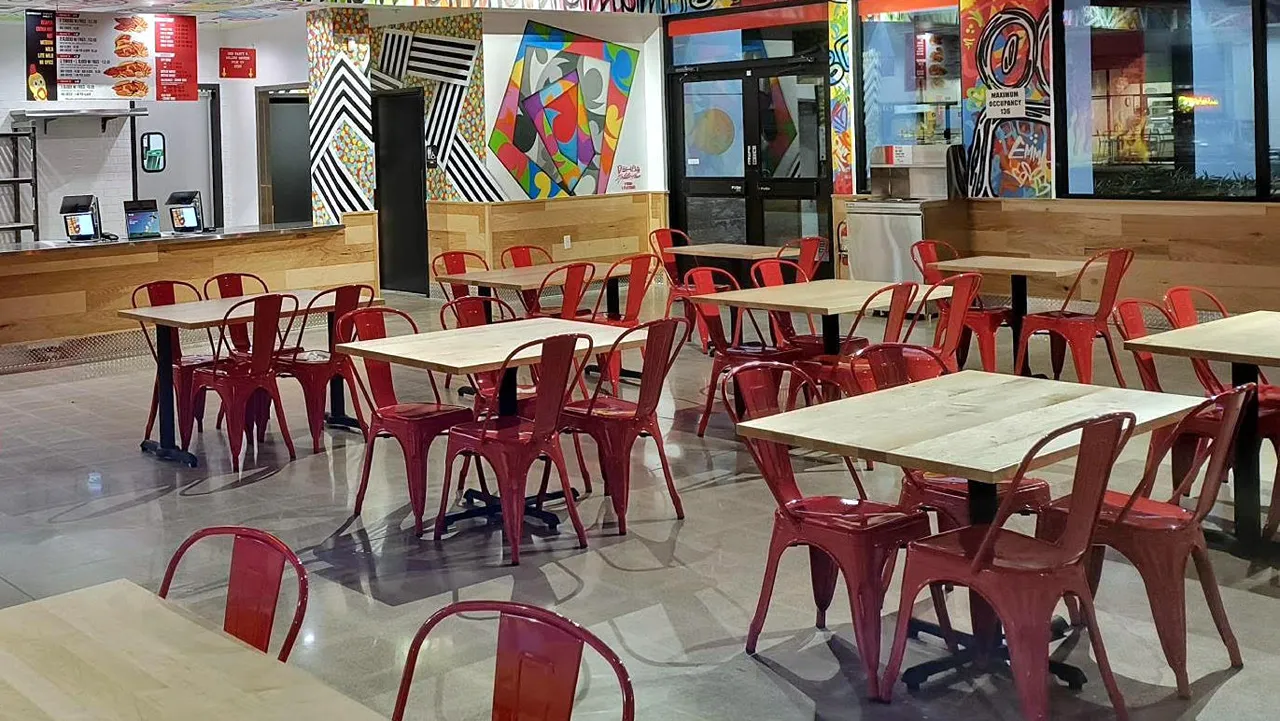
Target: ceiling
x,y
206,10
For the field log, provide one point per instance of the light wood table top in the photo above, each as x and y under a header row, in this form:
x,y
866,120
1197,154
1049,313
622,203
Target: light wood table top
x,y
970,424
1252,338
119,652
527,278
1008,265
817,297
732,251
483,348
209,313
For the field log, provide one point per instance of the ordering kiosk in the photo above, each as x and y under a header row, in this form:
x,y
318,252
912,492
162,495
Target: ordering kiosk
x,y
81,218
185,212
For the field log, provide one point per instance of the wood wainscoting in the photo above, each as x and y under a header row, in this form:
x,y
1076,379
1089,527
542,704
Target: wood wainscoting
x,y
74,292
602,227
1232,249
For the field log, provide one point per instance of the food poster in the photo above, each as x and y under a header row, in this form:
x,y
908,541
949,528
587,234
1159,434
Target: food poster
x,y
100,56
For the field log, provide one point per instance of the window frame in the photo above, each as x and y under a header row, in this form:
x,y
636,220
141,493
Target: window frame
x,y
1262,140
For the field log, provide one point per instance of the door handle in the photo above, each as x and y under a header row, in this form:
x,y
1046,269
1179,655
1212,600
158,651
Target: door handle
x,y
765,188
736,189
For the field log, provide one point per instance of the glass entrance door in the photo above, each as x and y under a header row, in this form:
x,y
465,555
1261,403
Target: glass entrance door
x,y
755,168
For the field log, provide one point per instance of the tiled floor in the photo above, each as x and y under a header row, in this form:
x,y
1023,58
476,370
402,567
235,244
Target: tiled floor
x,y
79,505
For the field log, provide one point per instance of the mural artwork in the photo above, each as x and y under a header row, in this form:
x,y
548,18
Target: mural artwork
x,y
558,127
1007,47
841,82
340,123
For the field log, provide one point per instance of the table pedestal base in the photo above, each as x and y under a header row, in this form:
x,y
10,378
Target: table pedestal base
x,y
486,505
913,677
169,454
342,421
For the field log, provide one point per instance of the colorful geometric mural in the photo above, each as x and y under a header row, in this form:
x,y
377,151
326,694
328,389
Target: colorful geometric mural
x,y
841,81
1006,46
558,127
339,120
659,7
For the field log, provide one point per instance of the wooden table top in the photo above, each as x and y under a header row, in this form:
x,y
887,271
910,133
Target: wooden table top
x,y
527,278
1252,338
209,313
1008,265
970,424
483,348
117,651
817,297
732,251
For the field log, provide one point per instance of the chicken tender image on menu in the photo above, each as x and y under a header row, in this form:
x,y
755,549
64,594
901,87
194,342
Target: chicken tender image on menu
x,y
131,89
127,47
132,24
130,69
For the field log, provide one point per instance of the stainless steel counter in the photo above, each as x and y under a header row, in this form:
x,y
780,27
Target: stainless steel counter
x,y
248,232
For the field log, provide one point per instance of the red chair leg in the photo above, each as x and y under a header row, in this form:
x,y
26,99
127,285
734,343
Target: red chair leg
x,y
374,429
451,455
1057,353
511,495
666,469
717,368
557,457
236,411
823,572
1213,597
1028,636
1163,572
274,392
155,407
314,394
1100,655
780,542
912,584
415,465
1115,359
1020,360
962,350
615,462
862,581
987,348
582,462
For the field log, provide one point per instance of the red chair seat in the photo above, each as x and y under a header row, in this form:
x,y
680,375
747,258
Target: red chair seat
x,y
605,407
1013,551
1031,488
193,361
848,514
503,429
1147,513
817,345
410,412
1064,315
309,357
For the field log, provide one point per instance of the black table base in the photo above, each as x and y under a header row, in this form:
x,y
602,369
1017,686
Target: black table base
x,y
169,454
166,449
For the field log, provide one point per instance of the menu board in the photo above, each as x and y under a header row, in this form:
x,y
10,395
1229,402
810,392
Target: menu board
x,y
101,56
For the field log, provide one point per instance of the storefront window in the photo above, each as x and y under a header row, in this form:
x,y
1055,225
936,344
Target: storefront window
x,y
910,78
1159,99
729,46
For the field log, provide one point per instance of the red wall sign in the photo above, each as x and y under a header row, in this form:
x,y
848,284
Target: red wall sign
x,y
176,71
237,63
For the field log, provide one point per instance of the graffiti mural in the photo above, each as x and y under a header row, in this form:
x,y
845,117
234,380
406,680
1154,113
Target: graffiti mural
x,y
558,126
1007,46
841,82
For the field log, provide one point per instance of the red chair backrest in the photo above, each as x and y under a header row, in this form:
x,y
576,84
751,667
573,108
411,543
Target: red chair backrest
x,y
559,368
897,364
456,262
812,250
538,660
371,324
964,289
662,240
760,386
1117,261
1130,322
924,253
900,302
268,338
1182,308
161,293
1101,440
1230,403
524,256
640,270
703,281
475,310
573,279
665,337
769,273
236,285
253,588
345,298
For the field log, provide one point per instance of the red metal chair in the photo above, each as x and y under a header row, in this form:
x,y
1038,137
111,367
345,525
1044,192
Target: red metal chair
x,y
980,320
539,657
1077,331
253,587
524,256
572,279
315,368
511,443
854,537
161,293
639,270
769,274
724,353
615,424
812,252
837,370
1159,537
235,285
241,380
950,330
660,242
456,262
889,365
414,425
1022,577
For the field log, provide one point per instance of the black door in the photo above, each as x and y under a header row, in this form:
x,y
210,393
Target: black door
x,y
401,195
753,164
289,159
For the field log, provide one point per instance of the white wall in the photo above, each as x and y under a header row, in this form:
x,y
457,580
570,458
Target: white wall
x,y
643,139
282,59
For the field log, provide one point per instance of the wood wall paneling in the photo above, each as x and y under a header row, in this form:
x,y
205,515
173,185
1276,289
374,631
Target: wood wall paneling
x,y
76,291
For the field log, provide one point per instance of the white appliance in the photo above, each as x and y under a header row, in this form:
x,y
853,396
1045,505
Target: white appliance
x,y
881,233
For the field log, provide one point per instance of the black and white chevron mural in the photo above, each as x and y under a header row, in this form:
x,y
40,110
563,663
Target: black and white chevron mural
x,y
340,116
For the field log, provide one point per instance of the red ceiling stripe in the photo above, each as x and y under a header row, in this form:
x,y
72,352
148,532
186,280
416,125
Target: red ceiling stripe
x,y
796,15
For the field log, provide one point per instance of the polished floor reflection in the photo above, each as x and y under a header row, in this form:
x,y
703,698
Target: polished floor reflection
x,y
80,505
